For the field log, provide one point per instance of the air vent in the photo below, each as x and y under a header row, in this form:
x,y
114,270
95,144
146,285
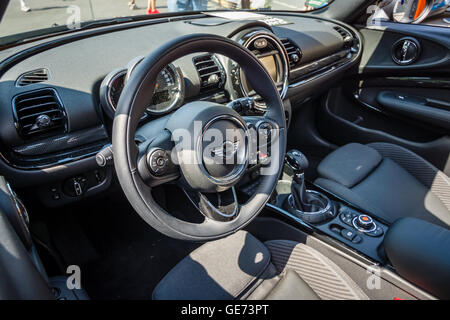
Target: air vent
x,y
294,52
38,112
31,77
346,36
210,72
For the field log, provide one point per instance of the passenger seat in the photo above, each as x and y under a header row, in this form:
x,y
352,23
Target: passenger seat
x,y
388,181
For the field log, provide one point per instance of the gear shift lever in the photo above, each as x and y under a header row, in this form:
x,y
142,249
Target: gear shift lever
x,y
312,206
299,163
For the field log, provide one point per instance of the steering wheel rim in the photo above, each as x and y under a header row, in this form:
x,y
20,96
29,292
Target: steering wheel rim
x,y
131,106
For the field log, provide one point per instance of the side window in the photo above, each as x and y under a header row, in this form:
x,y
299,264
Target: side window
x,y
430,12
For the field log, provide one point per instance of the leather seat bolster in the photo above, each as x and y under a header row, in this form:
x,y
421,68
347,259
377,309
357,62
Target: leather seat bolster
x,y
349,164
292,287
221,269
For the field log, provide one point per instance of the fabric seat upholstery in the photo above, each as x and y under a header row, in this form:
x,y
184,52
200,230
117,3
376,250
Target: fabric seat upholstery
x,y
241,267
388,181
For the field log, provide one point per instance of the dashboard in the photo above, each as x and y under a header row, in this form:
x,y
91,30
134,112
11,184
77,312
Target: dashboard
x,y
58,97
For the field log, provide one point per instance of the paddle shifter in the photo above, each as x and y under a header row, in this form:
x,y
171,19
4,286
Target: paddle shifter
x,y
309,205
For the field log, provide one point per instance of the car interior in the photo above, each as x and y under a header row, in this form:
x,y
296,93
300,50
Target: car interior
x,y
339,188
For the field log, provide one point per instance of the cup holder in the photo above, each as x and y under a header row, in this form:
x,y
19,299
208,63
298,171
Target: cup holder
x,y
320,200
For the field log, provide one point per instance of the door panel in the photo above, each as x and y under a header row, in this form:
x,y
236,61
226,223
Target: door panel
x,y
408,105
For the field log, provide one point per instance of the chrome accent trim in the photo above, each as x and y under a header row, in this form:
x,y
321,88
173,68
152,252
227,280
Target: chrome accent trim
x,y
19,79
178,77
324,210
66,160
119,74
296,84
237,173
290,215
245,41
361,229
57,97
127,72
333,68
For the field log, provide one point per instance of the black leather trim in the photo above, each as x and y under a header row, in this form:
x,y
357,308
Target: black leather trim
x,y
132,104
419,252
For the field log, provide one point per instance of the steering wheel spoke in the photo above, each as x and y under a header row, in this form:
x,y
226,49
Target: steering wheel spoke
x,y
155,161
203,145
219,206
264,133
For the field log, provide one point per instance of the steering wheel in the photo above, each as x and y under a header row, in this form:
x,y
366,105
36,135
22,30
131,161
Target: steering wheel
x,y
184,151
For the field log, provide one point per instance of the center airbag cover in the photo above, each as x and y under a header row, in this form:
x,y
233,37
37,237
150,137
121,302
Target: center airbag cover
x,y
211,145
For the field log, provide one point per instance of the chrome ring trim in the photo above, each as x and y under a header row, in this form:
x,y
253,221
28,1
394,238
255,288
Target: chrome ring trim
x,y
126,74
119,74
179,95
283,56
236,173
324,210
361,229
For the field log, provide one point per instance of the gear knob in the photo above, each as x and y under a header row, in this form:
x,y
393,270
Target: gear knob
x,y
297,161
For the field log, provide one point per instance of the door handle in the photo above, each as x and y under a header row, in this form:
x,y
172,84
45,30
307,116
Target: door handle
x,y
432,111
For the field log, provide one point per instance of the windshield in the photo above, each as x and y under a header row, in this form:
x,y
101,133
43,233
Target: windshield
x,y
25,18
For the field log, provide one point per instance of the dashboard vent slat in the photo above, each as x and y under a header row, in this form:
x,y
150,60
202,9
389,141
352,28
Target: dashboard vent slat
x,y
210,72
35,76
294,53
38,112
346,36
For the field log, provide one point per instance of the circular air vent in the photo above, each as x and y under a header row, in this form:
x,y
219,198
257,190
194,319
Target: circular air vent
x,y
406,51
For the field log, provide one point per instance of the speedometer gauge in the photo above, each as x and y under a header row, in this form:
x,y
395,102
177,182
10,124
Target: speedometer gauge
x,y
168,91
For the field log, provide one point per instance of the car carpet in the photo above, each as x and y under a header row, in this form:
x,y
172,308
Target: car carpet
x,y
120,256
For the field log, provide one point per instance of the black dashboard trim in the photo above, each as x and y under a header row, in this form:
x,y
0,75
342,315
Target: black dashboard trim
x,y
12,60
79,164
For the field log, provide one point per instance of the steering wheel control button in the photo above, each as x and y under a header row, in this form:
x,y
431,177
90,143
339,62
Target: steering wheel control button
x,y
406,51
243,105
158,161
264,131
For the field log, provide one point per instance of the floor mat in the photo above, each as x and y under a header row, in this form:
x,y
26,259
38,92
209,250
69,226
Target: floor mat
x,y
120,256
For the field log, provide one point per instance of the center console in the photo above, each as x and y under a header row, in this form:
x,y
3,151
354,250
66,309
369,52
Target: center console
x,y
322,212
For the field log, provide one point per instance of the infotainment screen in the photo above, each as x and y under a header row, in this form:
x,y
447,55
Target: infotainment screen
x,y
271,66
